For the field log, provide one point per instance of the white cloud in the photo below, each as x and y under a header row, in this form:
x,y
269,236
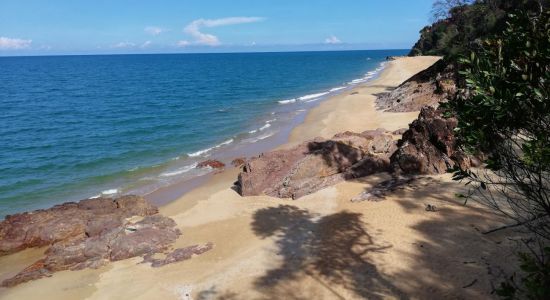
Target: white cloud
x,y
333,40
124,45
194,28
146,44
14,44
154,30
183,44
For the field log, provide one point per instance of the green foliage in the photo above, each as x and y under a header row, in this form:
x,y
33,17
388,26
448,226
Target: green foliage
x,y
466,25
535,283
504,111
507,80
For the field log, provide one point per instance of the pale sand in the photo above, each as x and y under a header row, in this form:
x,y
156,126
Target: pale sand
x,y
321,246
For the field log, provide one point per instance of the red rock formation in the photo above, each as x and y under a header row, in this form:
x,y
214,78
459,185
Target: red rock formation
x,y
211,163
87,234
429,146
68,221
313,165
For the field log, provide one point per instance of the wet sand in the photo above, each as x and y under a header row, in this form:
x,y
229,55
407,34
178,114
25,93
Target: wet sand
x,y
321,246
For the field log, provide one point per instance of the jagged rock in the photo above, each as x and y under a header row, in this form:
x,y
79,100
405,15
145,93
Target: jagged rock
x,y
32,272
237,162
313,165
427,88
87,234
67,221
211,163
429,146
377,141
179,255
400,131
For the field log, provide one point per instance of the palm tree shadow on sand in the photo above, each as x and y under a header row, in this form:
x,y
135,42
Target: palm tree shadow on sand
x,y
332,250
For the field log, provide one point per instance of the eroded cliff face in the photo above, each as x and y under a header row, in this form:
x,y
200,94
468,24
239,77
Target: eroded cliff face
x,y
427,88
89,234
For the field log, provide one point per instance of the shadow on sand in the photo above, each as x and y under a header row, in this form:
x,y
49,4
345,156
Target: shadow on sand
x,y
332,250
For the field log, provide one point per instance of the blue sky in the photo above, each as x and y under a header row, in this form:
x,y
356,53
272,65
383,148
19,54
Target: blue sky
x,y
35,27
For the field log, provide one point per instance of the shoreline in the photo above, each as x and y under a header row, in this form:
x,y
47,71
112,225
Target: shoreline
x,y
282,137
307,127
174,140
321,246
323,121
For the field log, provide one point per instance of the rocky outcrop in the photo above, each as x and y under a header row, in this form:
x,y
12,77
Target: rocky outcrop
x,y
211,163
178,255
429,146
313,165
87,234
427,88
68,221
238,162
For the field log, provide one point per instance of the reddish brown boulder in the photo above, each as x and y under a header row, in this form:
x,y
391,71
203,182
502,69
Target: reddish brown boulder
x,y
211,163
313,165
68,221
88,234
429,146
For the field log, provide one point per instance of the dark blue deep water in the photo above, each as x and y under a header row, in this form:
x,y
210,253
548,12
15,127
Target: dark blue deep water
x,y
74,126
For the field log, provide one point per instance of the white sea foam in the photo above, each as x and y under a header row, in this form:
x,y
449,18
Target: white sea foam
x,y
265,136
229,141
200,152
179,171
287,101
253,131
259,138
109,192
312,96
204,151
266,126
369,75
355,81
337,89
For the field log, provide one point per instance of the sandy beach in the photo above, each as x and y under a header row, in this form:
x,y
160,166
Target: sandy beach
x,y
322,246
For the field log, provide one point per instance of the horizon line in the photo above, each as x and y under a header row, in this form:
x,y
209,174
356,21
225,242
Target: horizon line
x,y
180,53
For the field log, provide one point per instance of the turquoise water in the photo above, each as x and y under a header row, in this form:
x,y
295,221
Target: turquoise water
x,y
75,126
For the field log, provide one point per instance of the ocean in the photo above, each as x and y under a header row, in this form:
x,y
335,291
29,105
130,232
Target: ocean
x,y
74,127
